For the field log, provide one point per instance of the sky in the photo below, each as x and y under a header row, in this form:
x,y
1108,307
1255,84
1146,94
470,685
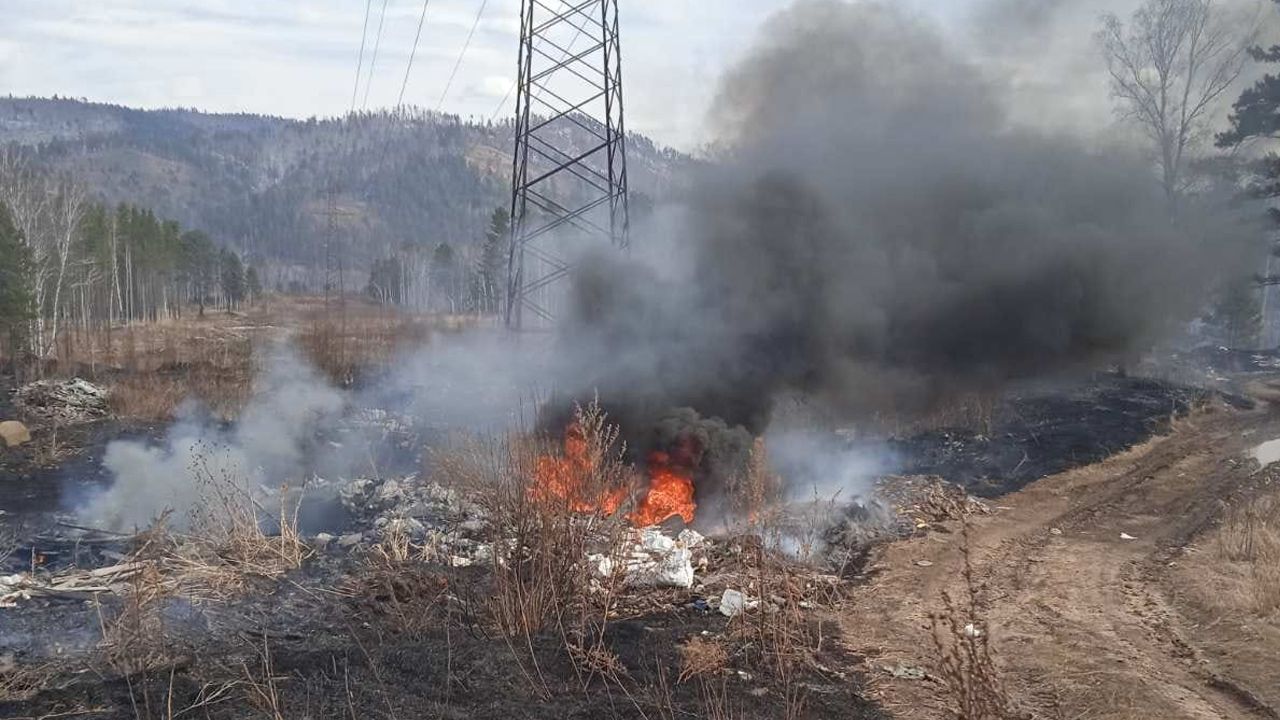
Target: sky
x,y
297,58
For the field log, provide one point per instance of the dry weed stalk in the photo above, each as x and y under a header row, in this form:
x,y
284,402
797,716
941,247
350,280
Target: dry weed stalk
x,y
966,664
133,641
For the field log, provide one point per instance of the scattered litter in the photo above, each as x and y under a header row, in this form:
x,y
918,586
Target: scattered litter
x,y
924,563
1055,531
1127,536
972,631
70,401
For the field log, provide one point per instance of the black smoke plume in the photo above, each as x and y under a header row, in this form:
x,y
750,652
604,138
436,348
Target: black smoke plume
x,y
874,235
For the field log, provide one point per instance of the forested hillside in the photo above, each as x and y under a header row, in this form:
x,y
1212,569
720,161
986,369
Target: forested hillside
x,y
260,185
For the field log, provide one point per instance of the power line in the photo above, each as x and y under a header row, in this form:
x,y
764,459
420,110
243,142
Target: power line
x,y
412,53
374,60
567,52
462,54
364,34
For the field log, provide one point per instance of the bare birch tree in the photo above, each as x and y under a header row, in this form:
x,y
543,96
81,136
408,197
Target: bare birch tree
x,y
1169,69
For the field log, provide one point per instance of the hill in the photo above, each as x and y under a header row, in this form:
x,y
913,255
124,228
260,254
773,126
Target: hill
x,y
260,184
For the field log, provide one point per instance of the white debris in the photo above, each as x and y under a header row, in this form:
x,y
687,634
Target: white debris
x,y
658,560
972,631
1267,453
602,566
732,603
1127,536
690,538
323,539
350,540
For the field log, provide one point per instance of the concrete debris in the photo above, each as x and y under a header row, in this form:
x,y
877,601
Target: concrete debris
x,y
69,401
14,433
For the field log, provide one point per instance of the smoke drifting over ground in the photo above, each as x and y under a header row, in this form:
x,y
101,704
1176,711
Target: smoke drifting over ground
x,y
877,237
268,445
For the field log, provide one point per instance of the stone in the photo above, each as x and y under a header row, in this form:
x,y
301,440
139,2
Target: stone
x,y
14,433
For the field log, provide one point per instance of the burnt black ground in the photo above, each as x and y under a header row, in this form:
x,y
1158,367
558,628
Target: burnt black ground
x,y
1036,432
335,658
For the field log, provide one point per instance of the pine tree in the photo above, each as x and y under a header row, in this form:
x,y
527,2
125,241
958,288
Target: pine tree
x,y
445,276
493,260
232,279
1256,116
252,284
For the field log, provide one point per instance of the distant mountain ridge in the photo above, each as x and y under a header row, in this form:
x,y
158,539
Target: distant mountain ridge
x,y
260,184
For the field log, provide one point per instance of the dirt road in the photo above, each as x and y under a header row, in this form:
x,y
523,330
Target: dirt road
x,y
1085,622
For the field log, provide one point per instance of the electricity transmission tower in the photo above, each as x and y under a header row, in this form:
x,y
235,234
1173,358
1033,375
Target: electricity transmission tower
x,y
569,173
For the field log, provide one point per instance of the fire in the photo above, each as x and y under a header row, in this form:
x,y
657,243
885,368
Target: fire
x,y
567,479
670,492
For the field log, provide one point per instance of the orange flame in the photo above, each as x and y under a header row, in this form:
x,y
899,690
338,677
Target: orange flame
x,y
670,493
567,479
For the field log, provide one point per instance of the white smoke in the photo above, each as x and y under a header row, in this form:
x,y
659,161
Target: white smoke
x,y
268,445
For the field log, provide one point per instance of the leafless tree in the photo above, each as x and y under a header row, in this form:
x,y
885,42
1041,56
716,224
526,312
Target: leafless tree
x,y
1169,69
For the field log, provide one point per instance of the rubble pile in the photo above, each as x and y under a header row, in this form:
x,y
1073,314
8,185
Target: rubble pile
x,y
62,402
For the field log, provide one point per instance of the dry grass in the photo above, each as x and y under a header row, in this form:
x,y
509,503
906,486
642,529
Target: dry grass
x,y
702,657
224,390
966,665
358,337
1249,539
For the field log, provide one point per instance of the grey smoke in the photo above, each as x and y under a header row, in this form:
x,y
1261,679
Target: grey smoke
x,y
876,235
268,445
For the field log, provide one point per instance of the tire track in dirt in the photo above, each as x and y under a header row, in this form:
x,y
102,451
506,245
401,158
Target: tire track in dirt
x,y
1081,625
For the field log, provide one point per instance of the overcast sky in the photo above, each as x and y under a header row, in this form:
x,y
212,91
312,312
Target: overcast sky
x,y
298,57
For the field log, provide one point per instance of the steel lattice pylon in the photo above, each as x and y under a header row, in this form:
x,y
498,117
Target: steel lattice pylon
x,y
569,173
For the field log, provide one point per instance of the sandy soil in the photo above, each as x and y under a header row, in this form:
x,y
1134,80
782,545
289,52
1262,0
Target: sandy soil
x,y
1086,624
